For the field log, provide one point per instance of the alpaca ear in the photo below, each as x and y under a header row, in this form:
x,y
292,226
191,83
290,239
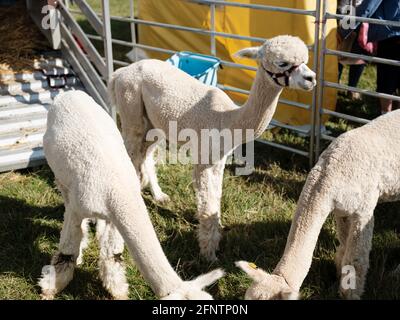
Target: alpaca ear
x,y
249,53
252,270
290,295
209,278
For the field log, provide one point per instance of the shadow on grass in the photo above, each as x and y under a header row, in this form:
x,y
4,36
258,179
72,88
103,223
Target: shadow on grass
x,y
260,242
263,243
27,233
264,158
20,233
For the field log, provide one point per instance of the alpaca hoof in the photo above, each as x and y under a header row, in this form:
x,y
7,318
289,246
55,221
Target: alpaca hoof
x,y
47,283
123,296
112,274
209,237
47,296
162,198
121,292
209,255
350,294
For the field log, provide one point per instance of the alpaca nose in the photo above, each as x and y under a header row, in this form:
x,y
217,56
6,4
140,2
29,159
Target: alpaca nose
x,y
310,78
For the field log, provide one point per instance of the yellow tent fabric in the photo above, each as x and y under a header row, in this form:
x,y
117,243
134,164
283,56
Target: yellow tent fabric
x,y
241,21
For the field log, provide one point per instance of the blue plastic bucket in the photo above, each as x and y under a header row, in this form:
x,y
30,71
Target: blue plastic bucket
x,y
203,68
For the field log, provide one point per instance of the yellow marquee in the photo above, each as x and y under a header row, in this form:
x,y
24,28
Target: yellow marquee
x,y
241,21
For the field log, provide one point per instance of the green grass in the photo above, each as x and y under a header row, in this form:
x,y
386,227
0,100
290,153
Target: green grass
x,y
257,211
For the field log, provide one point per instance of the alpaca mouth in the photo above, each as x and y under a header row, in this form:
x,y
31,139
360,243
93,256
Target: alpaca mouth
x,y
308,86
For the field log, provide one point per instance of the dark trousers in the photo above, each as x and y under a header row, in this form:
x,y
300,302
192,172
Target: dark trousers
x,y
355,73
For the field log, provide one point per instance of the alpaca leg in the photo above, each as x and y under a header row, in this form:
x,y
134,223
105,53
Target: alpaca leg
x,y
112,269
356,256
135,148
55,277
150,171
219,179
342,230
84,242
208,185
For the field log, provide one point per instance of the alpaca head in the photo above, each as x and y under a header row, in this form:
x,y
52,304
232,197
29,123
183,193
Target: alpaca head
x,y
284,60
193,290
266,286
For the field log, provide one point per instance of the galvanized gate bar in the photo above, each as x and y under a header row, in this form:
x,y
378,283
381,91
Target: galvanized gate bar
x,y
362,19
344,116
320,81
324,51
314,113
92,17
363,91
95,83
190,29
133,27
281,100
86,43
213,44
283,147
83,76
256,7
213,34
363,57
108,50
319,49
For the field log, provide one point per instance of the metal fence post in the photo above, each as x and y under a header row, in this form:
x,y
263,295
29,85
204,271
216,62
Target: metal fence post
x,y
314,112
108,52
212,18
133,30
321,82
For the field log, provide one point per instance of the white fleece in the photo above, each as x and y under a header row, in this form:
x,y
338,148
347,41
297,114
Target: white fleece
x,y
358,170
96,177
151,93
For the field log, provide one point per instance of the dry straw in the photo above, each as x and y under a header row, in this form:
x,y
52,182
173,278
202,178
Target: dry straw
x,y
20,40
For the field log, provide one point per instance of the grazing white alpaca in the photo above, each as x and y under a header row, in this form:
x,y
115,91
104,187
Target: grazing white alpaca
x,y
360,168
151,94
97,180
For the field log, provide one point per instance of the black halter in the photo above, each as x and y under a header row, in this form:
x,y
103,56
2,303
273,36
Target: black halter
x,y
276,76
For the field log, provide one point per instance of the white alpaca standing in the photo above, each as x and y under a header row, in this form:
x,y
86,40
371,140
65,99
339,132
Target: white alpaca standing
x,y
358,170
97,180
152,93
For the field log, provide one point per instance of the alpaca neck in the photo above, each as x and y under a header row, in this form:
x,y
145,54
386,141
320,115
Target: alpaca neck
x,y
312,210
258,110
133,222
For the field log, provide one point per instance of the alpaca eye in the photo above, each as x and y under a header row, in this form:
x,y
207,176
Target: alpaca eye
x,y
283,64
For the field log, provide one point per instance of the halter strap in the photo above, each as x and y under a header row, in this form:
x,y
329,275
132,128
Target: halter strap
x,y
276,76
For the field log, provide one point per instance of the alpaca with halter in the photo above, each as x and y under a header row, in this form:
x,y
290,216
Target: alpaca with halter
x,y
150,94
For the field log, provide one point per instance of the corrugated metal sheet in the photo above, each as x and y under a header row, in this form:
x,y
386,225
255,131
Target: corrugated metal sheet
x,y
24,101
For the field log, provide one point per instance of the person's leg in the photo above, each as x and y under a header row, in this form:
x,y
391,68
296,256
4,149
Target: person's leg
x,y
386,105
396,104
340,70
388,49
355,73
